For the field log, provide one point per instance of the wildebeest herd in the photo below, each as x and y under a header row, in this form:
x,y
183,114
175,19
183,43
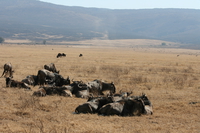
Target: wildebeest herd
x,y
50,82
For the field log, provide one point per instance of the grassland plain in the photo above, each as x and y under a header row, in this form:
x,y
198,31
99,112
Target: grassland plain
x,y
170,78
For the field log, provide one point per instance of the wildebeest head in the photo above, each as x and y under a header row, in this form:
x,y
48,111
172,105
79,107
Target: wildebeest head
x,y
66,81
145,99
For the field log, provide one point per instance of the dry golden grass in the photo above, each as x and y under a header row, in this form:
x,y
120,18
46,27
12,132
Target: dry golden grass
x,y
171,82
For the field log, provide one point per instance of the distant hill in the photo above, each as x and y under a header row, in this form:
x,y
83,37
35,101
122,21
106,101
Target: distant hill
x,y
36,20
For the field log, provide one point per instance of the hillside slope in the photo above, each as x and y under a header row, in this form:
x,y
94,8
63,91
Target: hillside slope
x,y
36,20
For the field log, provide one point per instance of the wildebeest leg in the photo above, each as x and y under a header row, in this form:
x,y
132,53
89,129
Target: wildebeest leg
x,y
3,73
11,73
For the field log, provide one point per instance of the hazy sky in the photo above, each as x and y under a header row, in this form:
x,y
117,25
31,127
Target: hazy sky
x,y
130,4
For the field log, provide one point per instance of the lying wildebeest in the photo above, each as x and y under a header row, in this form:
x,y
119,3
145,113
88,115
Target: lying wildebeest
x,y
47,77
125,107
30,80
66,93
40,93
79,89
93,104
51,67
80,55
121,95
143,97
13,83
100,86
7,69
147,103
61,55
43,91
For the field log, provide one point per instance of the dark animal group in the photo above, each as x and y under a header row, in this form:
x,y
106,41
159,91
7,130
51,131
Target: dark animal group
x,y
52,83
121,104
59,55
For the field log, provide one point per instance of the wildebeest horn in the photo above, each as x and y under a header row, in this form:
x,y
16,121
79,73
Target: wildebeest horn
x,y
79,86
143,94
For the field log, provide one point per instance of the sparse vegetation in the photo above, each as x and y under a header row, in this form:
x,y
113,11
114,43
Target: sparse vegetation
x,y
171,83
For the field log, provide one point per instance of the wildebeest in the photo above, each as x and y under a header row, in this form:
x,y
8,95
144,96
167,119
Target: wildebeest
x,y
30,80
40,93
121,95
147,103
100,86
88,107
125,107
45,76
43,91
61,55
80,55
13,83
51,67
66,93
79,89
93,104
7,69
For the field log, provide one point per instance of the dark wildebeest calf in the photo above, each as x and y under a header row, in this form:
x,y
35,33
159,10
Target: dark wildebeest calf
x,y
8,69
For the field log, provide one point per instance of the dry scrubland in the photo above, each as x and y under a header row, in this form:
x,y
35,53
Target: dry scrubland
x,y
170,81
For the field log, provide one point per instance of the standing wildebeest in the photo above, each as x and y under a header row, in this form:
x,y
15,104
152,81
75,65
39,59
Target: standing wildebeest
x,y
80,55
100,86
13,83
45,76
7,69
51,67
61,55
30,80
